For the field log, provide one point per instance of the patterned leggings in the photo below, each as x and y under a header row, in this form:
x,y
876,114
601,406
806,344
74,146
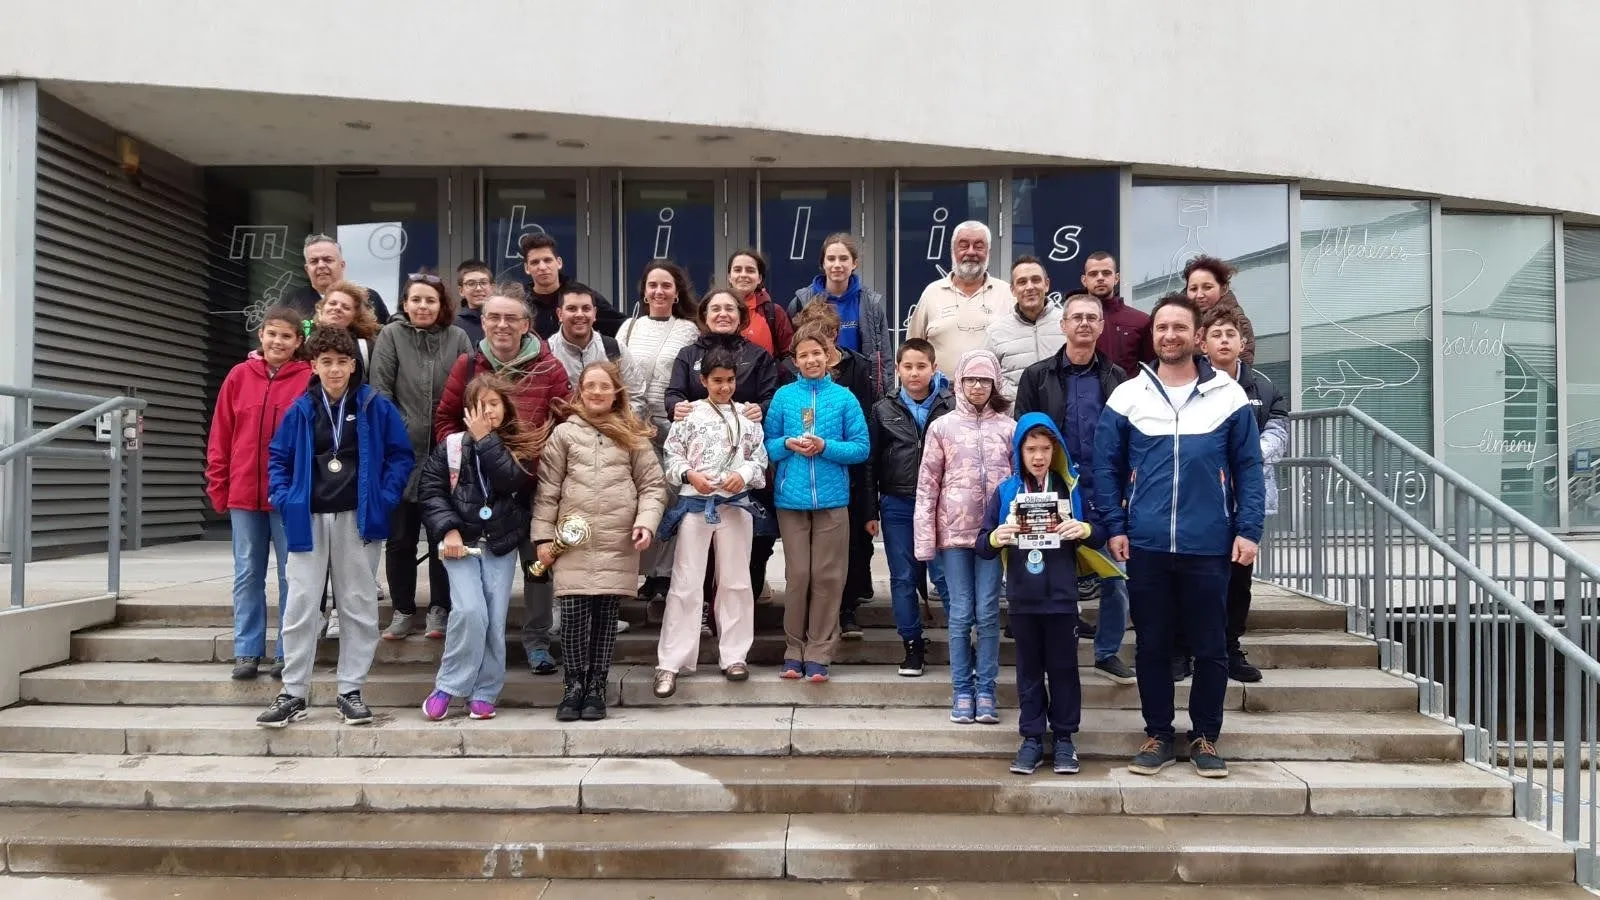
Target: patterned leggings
x,y
588,635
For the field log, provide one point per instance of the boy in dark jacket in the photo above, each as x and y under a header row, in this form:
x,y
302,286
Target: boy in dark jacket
x,y
896,427
336,469
1039,526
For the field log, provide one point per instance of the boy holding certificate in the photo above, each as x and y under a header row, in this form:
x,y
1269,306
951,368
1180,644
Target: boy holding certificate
x,y
1043,532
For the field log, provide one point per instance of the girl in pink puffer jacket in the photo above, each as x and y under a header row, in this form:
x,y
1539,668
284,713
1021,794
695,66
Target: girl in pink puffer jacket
x,y
965,457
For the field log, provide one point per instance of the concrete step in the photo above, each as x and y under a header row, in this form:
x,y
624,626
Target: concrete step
x,y
122,887
169,684
1272,609
690,731
743,785
1228,849
879,646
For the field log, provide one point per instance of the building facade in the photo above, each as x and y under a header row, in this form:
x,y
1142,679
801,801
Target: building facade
x,y
1417,233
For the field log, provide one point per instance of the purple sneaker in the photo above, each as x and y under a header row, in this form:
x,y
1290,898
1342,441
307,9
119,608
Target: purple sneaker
x,y
437,704
480,709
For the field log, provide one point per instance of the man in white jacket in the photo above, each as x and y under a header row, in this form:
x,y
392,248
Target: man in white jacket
x,y
1030,330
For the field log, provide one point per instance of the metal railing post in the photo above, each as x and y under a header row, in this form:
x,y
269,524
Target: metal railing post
x,y
1316,518
1463,635
114,530
1380,558
21,522
1572,714
134,467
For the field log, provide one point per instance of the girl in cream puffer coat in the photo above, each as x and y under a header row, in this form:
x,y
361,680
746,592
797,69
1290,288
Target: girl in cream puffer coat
x,y
966,456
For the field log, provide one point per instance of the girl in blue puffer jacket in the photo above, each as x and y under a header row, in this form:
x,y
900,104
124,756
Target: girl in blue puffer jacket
x,y
815,432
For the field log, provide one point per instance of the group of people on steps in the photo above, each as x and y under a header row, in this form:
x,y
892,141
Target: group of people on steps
x,y
538,430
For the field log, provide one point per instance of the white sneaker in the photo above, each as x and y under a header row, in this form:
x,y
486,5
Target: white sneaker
x,y
333,624
622,625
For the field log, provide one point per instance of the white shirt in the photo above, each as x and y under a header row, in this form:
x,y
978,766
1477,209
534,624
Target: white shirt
x,y
954,322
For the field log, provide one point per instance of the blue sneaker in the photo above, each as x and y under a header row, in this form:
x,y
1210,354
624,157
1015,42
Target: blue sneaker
x,y
961,710
541,662
816,672
987,715
792,670
1066,762
1029,756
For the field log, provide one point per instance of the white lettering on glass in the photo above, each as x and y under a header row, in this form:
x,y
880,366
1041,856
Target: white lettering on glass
x,y
1342,246
802,232
517,225
663,248
936,233
1481,342
1064,243
258,241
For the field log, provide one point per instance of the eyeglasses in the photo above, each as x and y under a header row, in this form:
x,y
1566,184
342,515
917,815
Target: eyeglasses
x,y
1084,318
503,319
423,278
477,283
977,382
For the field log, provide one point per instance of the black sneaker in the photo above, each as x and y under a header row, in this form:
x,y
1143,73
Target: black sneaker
x,y
912,665
1182,668
1087,630
654,588
1239,668
1208,763
246,668
594,703
276,671
1155,755
1066,761
848,628
1029,756
354,710
1114,670
283,710
571,705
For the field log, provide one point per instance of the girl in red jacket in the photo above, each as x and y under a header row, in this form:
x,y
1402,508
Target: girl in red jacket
x,y
254,397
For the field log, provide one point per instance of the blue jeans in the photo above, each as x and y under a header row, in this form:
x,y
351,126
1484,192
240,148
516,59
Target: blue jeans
x,y
906,573
1113,622
474,663
254,533
974,598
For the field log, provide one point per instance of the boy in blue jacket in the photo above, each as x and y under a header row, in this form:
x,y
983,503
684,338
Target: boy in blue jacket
x,y
815,432
1040,505
336,468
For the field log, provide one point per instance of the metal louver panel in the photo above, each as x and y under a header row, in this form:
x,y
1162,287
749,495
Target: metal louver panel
x,y
120,304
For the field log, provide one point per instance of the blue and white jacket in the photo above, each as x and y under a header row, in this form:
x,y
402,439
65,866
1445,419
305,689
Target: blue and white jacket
x,y
386,462
1180,474
821,481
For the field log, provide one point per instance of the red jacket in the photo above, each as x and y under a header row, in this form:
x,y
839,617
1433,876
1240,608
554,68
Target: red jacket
x,y
250,406
545,381
1126,340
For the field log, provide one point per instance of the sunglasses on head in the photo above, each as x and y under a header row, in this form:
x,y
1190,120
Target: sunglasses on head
x,y
423,278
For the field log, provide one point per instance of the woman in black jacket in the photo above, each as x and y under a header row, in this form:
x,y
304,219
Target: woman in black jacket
x,y
475,494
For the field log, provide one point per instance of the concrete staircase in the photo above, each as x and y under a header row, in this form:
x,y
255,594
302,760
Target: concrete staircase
x,y
140,757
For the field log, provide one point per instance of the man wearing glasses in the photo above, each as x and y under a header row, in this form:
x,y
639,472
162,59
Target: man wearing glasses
x,y
475,284
1071,388
324,269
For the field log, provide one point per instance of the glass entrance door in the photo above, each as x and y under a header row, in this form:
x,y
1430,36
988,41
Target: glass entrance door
x,y
514,207
674,220
388,228
793,218
929,213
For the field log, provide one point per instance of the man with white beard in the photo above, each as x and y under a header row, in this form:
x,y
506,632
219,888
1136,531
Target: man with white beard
x,y
954,312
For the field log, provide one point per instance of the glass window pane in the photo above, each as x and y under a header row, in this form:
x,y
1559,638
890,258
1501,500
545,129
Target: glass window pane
x,y
929,213
515,207
1063,216
388,228
673,220
1582,274
1499,346
1247,225
261,217
795,218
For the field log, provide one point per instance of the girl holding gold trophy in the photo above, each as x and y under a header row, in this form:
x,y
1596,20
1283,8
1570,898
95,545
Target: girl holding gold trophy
x,y
598,474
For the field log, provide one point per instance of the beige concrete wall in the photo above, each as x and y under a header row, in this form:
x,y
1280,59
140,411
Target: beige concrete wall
x,y
42,635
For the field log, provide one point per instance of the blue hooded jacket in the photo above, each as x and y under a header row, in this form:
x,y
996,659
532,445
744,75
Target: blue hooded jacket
x,y
1051,584
386,463
821,481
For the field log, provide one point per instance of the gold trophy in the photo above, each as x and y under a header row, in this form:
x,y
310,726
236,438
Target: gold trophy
x,y
571,531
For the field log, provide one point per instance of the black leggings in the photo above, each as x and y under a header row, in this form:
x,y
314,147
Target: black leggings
x,y
400,562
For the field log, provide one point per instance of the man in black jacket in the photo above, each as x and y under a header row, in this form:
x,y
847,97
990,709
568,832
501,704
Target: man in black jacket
x,y
1071,387
542,261
324,269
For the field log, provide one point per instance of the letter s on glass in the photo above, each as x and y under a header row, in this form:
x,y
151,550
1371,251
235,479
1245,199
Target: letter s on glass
x,y
1065,246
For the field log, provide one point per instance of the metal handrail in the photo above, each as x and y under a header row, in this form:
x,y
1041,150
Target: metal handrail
x,y
1459,482
1495,619
18,454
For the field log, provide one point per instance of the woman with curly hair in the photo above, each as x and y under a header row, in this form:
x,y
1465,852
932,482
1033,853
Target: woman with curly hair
x,y
599,466
1207,281
347,305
